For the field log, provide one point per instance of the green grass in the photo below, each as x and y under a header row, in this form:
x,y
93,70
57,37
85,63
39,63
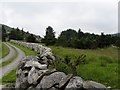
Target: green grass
x,y
101,64
28,52
11,77
5,50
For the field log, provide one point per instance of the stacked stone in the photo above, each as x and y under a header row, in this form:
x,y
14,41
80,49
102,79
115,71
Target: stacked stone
x,y
34,73
34,46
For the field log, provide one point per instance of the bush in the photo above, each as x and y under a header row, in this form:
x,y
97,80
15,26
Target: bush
x,y
80,60
65,64
60,65
31,38
67,59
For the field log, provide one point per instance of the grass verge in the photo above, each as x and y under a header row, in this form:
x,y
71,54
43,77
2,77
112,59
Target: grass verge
x,y
28,52
9,78
5,50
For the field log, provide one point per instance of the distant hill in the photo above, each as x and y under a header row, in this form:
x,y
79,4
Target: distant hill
x,y
116,34
7,28
10,29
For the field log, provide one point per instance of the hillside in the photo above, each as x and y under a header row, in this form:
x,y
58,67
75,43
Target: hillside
x,y
16,32
116,34
7,28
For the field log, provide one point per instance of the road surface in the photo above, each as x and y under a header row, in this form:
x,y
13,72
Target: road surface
x,y
10,55
6,69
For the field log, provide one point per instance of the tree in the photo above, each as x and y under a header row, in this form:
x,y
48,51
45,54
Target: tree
x,y
19,34
16,34
67,38
4,35
102,41
31,38
80,34
117,43
12,34
49,38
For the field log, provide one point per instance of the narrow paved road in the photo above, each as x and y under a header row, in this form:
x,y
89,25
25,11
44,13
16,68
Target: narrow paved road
x,y
10,55
6,69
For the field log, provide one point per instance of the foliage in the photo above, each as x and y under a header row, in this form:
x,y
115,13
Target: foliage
x,y
49,38
16,34
4,35
81,40
65,63
60,65
117,43
31,38
67,38
80,60
67,59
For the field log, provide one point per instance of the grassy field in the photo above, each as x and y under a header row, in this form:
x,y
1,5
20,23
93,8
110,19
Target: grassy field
x,y
11,77
5,50
100,65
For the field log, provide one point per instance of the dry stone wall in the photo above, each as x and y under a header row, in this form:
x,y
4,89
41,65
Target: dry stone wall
x,y
33,73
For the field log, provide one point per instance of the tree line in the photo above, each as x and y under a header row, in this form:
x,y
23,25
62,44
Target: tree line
x,y
67,38
80,40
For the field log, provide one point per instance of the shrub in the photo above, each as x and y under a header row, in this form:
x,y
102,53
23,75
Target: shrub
x,y
80,60
64,64
67,59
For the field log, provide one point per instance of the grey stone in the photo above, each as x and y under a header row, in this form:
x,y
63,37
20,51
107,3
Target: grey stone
x,y
38,86
52,79
33,76
17,84
53,88
19,72
33,88
35,64
48,55
21,82
53,58
93,85
75,83
44,58
65,80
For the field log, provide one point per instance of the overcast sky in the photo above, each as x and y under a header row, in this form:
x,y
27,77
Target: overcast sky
x,y
89,15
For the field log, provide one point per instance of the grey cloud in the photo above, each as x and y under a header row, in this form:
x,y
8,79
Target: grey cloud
x,y
36,16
